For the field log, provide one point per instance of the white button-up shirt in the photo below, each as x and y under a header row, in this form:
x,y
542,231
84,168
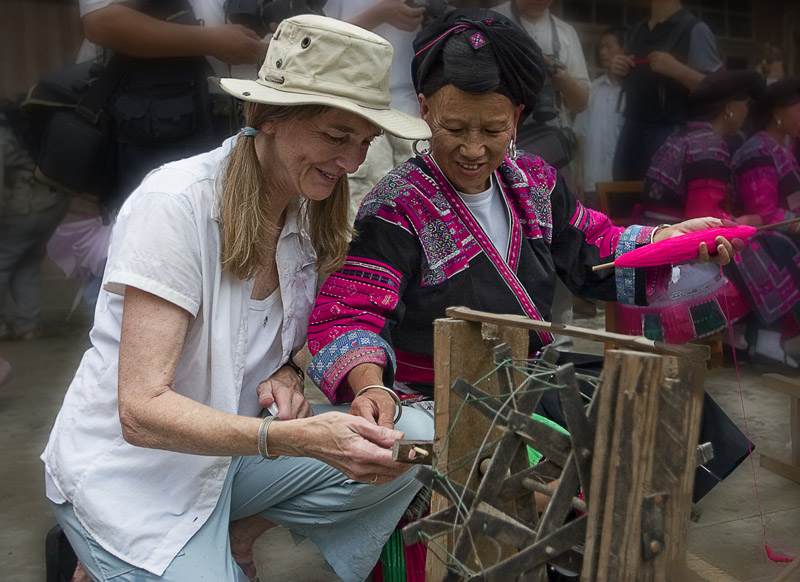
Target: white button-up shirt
x,y
599,126
141,504
570,54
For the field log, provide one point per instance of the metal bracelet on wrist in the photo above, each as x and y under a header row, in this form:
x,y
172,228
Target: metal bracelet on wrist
x,y
263,433
657,229
395,397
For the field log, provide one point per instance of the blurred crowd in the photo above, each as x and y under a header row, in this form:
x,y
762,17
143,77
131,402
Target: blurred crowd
x,y
663,113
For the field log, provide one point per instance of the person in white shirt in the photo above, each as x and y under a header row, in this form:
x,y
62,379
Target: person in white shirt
x,y
598,127
159,55
559,41
398,23
233,50
158,450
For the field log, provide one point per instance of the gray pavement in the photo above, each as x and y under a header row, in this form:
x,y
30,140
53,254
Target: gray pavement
x,y
726,544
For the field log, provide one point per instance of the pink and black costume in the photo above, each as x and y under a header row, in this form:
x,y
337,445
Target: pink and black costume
x,y
688,176
767,183
419,250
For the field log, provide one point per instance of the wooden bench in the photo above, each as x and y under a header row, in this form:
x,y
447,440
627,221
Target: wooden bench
x,y
790,386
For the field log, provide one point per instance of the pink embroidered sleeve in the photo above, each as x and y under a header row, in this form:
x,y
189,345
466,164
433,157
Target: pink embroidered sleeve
x,y
705,198
758,188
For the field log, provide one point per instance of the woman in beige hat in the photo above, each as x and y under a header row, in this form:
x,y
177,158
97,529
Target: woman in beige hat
x,y
210,279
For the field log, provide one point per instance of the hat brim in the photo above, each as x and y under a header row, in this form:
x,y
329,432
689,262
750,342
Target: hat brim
x,y
390,120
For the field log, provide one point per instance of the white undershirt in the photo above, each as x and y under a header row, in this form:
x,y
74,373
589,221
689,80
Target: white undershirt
x,y
264,348
489,210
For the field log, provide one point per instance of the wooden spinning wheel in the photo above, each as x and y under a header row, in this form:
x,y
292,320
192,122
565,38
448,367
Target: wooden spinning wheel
x,y
503,508
619,485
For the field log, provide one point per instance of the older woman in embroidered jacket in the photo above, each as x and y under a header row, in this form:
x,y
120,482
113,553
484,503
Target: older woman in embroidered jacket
x,y
767,184
469,222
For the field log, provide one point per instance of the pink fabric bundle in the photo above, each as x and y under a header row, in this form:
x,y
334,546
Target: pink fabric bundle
x,y
680,248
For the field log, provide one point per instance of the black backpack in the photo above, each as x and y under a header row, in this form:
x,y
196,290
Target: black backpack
x,y
101,128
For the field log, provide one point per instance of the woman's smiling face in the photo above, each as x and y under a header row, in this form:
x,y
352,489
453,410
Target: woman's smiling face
x,y
471,134
309,156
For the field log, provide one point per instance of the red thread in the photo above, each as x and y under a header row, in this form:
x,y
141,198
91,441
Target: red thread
x,y
680,248
774,557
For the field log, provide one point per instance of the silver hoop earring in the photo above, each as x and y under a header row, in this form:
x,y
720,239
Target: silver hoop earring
x,y
512,152
728,115
420,152
779,122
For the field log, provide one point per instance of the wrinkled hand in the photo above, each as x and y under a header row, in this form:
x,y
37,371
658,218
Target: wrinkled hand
x,y
725,248
621,65
376,406
235,44
285,389
663,63
400,15
356,447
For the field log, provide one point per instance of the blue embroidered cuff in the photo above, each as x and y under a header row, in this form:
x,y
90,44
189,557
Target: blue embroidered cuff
x,y
333,362
633,237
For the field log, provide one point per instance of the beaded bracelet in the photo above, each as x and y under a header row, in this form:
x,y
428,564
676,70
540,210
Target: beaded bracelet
x,y
398,406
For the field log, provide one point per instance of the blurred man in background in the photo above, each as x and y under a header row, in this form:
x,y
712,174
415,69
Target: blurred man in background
x,y
666,56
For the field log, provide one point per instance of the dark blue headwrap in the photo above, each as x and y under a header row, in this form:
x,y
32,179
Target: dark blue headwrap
x,y
478,51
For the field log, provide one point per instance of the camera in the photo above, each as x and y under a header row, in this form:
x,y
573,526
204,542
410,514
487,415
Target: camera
x,y
258,15
548,102
433,9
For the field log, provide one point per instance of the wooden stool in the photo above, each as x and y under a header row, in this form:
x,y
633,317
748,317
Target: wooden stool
x,y
790,386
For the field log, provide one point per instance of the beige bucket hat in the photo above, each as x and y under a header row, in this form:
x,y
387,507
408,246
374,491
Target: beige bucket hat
x,y
315,60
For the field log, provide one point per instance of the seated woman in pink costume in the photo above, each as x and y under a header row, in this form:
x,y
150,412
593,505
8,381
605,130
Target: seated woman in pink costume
x,y
469,222
767,184
688,178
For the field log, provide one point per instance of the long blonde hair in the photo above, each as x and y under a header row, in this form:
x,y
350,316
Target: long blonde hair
x,y
247,231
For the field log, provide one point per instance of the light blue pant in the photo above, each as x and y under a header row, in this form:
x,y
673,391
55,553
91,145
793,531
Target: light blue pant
x,y
349,521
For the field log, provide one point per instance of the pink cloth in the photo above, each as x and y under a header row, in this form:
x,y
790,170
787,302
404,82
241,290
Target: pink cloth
x,y
767,179
80,248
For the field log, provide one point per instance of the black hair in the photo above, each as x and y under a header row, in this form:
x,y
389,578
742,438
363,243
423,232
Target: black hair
x,y
469,70
619,32
478,51
783,93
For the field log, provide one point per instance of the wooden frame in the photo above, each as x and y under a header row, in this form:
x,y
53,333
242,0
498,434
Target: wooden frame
x,y
644,449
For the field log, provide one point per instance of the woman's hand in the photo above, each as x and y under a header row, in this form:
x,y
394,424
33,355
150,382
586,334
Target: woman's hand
x,y
285,388
356,447
725,248
376,406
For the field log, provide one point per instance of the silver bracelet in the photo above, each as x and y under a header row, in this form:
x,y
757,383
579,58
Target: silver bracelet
x,y
656,229
397,405
263,433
